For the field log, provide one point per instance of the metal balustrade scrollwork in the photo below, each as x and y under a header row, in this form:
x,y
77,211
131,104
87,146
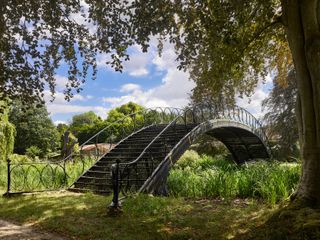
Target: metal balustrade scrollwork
x,y
54,175
127,175
130,176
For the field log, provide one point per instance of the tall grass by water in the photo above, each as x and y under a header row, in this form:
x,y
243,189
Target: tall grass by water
x,y
204,176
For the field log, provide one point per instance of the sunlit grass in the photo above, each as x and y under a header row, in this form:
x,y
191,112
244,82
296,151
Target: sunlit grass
x,y
84,216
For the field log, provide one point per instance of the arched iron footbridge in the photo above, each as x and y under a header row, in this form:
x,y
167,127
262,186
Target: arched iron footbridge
x,y
135,153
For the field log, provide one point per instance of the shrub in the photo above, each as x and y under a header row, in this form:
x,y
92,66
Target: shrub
x,y
16,158
33,151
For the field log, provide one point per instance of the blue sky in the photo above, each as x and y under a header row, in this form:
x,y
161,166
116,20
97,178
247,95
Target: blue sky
x,y
147,79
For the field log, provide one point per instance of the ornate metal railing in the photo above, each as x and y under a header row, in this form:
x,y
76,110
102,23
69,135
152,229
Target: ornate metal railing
x,y
208,111
55,175
125,176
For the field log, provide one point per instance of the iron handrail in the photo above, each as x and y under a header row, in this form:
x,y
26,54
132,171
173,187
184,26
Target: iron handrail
x,y
115,168
235,113
257,122
117,122
122,140
58,171
98,133
148,146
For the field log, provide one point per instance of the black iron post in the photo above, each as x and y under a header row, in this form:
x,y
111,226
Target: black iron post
x,y
115,179
8,177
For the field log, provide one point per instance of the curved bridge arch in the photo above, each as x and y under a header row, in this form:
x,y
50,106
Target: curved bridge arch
x,y
139,149
245,142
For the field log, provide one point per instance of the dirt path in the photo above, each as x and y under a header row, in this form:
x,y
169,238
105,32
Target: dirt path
x,y
10,231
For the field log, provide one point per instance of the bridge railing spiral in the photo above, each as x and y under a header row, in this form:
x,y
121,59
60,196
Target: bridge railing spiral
x,y
127,177
208,111
54,175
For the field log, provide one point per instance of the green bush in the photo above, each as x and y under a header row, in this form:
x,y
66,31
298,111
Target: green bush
x,y
34,152
17,158
195,176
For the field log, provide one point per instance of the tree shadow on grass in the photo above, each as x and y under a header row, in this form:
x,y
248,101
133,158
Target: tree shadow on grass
x,y
291,222
84,216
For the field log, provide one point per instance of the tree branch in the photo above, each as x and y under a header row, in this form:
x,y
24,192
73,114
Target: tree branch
x,y
258,34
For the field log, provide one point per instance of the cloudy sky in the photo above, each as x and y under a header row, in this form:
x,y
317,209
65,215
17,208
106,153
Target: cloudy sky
x,y
147,79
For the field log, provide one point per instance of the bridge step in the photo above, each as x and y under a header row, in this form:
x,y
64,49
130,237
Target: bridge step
x,y
98,177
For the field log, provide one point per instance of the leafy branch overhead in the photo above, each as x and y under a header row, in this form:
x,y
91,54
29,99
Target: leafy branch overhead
x,y
226,45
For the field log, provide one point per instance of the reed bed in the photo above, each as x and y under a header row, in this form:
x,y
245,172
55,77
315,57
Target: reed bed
x,y
204,176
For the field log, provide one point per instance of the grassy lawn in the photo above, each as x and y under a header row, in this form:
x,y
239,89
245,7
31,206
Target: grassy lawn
x,y
210,198
83,216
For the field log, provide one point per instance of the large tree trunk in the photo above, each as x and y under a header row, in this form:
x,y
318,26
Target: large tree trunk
x,y
302,27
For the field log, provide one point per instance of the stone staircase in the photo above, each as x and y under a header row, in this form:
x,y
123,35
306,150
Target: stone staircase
x,y
98,178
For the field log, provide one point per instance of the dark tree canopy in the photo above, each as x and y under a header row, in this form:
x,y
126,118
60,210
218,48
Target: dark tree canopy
x,y
36,37
225,44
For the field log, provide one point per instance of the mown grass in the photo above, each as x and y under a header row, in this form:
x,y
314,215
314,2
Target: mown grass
x,y
211,198
204,176
84,216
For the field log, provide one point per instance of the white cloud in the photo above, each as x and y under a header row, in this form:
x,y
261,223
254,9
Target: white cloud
x,y
137,66
167,59
139,72
61,106
61,81
80,17
130,87
254,103
59,97
72,108
59,122
173,92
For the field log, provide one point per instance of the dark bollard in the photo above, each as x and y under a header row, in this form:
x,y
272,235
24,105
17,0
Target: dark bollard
x,y
115,206
7,194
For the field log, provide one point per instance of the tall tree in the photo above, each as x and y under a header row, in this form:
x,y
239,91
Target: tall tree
x,y
85,125
84,119
122,111
7,134
34,128
227,46
281,115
